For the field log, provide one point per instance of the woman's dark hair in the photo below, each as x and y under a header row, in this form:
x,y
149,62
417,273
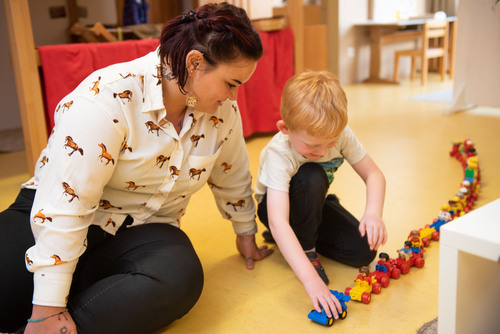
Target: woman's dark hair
x,y
223,33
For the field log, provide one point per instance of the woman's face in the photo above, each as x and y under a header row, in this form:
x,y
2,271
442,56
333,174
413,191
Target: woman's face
x,y
213,86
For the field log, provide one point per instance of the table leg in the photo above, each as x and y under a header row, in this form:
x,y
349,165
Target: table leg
x,y
376,56
452,47
448,278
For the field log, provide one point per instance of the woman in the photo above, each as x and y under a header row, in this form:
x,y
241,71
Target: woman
x,y
130,146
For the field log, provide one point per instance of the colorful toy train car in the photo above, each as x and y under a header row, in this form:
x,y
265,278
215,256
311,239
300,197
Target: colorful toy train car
x,y
322,318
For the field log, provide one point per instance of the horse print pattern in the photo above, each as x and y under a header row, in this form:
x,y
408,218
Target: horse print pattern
x,y
111,154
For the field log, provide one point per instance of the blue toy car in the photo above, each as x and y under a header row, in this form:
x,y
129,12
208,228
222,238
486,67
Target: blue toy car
x,y
321,317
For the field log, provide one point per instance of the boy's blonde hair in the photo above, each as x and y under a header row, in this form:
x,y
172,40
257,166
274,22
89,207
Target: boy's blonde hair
x,y
315,102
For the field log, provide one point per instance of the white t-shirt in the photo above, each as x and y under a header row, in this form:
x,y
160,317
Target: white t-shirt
x,y
279,162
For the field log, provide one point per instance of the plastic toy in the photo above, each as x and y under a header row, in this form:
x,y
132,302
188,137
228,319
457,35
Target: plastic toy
x,y
427,234
322,318
431,232
384,270
406,251
413,251
416,241
365,285
404,263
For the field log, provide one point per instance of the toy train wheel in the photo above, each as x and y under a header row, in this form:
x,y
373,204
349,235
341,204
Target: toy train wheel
x,y
419,263
366,298
377,287
435,236
405,268
330,322
426,242
396,273
343,314
347,290
385,281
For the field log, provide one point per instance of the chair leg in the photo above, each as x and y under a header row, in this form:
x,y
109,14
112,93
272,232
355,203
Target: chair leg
x,y
423,74
442,67
451,69
396,68
413,67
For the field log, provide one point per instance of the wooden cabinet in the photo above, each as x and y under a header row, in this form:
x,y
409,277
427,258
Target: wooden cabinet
x,y
310,35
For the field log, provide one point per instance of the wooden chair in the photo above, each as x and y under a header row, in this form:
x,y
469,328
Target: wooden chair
x,y
434,44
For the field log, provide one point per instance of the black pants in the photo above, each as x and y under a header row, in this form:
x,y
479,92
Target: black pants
x,y
137,281
320,221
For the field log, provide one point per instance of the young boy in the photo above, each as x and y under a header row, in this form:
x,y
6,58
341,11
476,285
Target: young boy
x,y
296,170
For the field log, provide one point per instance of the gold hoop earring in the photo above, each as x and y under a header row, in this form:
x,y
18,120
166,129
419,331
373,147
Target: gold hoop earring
x,y
191,100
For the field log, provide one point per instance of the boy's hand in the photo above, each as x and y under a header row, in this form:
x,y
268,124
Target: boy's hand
x,y
375,229
248,249
322,297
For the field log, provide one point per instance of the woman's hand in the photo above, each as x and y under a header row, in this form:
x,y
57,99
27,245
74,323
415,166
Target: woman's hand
x,y
58,320
321,296
248,249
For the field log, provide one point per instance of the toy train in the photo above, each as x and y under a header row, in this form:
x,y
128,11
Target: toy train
x,y
412,254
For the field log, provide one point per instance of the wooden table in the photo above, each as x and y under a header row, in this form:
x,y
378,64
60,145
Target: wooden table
x,y
398,31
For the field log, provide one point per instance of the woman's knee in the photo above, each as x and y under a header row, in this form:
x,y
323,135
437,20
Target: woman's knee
x,y
165,253
157,271
171,276
139,304
180,271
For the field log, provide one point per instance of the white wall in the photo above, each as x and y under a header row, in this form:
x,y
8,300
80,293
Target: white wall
x,y
477,70
48,31
353,68
103,11
256,9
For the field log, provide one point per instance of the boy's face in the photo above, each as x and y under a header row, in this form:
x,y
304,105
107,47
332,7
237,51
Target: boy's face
x,y
309,146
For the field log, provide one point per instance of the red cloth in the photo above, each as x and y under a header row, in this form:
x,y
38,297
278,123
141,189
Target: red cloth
x,y
64,66
259,98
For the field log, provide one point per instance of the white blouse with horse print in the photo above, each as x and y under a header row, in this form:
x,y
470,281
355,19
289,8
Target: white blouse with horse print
x,y
112,154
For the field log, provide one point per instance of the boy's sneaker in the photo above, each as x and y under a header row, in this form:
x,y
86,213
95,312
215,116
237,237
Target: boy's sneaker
x,y
313,257
268,236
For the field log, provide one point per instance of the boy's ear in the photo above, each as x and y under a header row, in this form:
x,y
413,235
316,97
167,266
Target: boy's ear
x,y
282,126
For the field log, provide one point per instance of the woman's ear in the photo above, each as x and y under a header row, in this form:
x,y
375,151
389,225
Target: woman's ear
x,y
194,60
282,126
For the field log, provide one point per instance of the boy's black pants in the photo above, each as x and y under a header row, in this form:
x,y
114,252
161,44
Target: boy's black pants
x,y
320,221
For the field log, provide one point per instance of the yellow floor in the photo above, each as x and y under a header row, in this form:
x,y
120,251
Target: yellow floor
x,y
410,141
